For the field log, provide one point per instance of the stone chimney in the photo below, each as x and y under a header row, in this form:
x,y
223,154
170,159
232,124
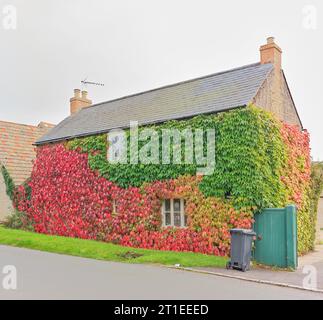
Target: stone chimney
x,y
274,95
79,101
271,53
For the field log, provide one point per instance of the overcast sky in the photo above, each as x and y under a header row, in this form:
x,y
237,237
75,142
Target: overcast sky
x,y
133,46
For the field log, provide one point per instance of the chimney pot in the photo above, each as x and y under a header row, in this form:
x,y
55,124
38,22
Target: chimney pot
x,y
270,40
84,94
77,93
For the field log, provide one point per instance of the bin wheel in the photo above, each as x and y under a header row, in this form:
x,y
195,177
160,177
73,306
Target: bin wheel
x,y
244,268
228,266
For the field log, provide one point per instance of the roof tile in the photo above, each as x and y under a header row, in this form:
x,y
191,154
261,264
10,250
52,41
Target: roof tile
x,y
16,148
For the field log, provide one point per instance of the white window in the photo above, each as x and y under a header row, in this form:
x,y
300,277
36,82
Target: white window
x,y
173,212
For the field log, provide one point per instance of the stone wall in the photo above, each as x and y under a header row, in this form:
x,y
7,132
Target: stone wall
x,y
274,96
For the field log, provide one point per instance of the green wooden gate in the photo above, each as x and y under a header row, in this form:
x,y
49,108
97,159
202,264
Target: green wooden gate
x,y
276,243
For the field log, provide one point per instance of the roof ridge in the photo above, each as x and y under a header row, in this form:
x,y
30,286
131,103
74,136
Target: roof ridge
x,y
173,84
19,124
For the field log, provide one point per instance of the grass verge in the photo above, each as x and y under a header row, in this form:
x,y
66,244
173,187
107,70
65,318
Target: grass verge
x,y
105,251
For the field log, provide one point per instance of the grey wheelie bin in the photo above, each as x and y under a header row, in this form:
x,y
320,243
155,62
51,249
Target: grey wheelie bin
x,y
241,247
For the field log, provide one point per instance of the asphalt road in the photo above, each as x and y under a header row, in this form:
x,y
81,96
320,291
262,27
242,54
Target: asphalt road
x,y
50,276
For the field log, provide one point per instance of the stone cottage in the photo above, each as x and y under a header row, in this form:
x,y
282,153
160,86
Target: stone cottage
x,y
262,160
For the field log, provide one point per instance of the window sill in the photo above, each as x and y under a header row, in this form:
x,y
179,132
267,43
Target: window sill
x,y
173,227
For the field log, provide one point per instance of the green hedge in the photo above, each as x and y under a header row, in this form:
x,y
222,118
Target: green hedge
x,y
315,192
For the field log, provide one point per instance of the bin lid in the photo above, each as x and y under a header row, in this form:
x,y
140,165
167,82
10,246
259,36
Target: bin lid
x,y
249,232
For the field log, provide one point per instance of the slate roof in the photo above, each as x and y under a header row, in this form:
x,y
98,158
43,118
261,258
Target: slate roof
x,y
210,94
16,148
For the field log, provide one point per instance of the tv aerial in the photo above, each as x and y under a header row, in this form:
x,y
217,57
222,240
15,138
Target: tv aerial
x,y
85,83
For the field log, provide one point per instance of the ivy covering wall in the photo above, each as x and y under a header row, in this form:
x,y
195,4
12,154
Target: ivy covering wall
x,y
250,155
10,185
260,163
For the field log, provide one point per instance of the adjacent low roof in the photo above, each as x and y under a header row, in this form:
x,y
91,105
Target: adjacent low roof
x,y
17,151
210,94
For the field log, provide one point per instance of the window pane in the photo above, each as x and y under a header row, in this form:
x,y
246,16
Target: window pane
x,y
167,219
177,205
167,205
177,219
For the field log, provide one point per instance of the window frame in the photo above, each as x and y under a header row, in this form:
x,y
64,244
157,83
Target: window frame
x,y
172,211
